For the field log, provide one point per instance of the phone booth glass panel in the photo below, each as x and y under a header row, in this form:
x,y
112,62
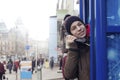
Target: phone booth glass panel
x,y
113,39
113,52
113,12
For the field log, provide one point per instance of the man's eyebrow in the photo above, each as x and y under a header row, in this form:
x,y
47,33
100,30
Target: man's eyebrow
x,y
79,22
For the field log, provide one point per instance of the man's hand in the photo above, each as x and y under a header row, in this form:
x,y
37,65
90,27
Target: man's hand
x,y
70,39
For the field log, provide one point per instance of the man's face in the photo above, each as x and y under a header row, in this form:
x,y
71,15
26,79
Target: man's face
x,y
78,29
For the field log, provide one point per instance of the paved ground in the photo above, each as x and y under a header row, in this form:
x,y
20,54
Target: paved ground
x,y
47,74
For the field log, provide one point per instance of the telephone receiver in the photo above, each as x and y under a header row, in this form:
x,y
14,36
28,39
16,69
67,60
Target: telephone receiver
x,y
80,40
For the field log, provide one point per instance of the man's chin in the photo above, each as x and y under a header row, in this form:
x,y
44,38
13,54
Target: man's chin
x,y
82,36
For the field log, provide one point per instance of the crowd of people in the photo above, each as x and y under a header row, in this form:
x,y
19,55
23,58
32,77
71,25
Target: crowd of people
x,y
15,65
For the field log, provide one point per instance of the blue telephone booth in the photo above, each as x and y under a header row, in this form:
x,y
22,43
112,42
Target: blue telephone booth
x,y
113,39
104,20
107,35
107,39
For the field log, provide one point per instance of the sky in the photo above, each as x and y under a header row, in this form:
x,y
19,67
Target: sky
x,y
34,15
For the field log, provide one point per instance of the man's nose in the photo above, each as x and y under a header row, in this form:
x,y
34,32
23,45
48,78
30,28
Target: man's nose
x,y
78,27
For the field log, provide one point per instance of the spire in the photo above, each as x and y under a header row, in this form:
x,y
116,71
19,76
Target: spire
x,y
3,28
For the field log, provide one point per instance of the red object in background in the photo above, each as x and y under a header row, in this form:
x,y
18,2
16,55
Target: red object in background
x,y
16,63
88,30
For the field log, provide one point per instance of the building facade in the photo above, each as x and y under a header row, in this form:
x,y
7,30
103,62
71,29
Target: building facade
x,y
65,7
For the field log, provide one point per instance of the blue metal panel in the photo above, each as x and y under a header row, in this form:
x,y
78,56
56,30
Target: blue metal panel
x,y
81,9
101,56
92,41
87,11
114,29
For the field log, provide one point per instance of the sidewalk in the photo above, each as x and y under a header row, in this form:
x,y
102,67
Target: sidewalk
x,y
47,74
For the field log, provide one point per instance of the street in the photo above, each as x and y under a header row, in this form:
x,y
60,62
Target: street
x,y
47,74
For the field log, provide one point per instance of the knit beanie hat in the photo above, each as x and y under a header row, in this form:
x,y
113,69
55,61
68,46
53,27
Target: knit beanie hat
x,y
67,15
69,22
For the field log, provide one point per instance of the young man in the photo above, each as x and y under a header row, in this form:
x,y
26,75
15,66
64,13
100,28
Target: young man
x,y
77,63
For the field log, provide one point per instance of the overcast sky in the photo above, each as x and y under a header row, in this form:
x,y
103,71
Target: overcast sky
x,y
33,13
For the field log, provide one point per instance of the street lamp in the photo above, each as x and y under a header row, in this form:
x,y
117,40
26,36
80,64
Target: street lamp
x,y
16,40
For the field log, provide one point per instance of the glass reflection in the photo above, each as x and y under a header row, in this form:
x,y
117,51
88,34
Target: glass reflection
x,y
113,56
113,12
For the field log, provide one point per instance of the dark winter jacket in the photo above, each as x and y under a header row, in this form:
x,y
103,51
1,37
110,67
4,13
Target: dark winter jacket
x,y
78,61
63,65
2,69
9,65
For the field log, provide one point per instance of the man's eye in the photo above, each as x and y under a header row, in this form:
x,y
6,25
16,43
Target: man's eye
x,y
73,28
79,24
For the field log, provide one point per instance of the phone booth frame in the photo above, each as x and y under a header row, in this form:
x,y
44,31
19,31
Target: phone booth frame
x,y
98,30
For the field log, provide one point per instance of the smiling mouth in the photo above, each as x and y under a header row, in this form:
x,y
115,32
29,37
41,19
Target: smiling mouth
x,y
81,33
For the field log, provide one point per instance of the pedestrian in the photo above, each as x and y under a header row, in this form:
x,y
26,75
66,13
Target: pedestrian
x,y
38,62
46,64
77,64
42,62
33,65
16,66
2,70
10,65
51,62
60,63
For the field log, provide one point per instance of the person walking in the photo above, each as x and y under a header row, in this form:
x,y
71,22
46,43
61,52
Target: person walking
x,y
77,63
10,65
16,65
2,70
60,63
46,65
51,62
33,65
